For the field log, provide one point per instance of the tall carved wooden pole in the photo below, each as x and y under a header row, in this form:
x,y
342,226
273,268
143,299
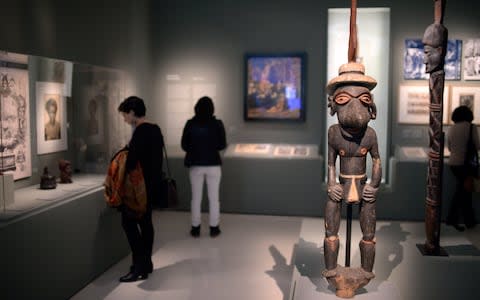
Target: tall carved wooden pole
x,y
435,46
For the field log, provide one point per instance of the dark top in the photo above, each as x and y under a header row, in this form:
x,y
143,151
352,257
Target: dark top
x,y
202,140
146,146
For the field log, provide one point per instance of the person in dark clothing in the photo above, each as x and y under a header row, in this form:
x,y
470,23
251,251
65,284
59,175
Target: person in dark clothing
x,y
202,139
145,147
458,136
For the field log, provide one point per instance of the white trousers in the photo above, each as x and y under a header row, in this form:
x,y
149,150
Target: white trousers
x,y
212,174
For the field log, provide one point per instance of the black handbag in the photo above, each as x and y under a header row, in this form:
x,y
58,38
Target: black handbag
x,y
168,187
471,157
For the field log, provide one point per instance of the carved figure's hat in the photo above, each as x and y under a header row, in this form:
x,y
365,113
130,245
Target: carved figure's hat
x,y
436,35
351,73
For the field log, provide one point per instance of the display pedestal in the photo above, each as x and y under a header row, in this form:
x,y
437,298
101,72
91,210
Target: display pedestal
x,y
6,190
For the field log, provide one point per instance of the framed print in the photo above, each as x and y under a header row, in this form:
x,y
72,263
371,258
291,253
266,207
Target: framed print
x,y
414,105
414,68
471,59
51,118
468,96
274,87
15,154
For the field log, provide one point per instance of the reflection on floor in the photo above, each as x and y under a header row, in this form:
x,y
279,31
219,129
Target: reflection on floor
x,y
273,257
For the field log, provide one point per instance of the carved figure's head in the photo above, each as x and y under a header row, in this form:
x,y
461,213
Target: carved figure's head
x,y
350,97
435,41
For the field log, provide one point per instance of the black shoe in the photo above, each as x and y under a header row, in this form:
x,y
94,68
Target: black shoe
x,y
215,231
195,231
133,276
149,269
470,225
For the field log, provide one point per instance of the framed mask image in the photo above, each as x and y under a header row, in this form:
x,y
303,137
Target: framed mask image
x,y
468,96
274,87
51,118
414,105
414,67
471,59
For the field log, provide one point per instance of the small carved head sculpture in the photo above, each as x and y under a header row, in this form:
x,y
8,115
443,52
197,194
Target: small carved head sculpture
x,y
435,41
350,97
65,171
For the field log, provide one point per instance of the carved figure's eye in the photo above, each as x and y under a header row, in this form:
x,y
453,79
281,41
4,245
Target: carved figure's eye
x,y
342,98
365,98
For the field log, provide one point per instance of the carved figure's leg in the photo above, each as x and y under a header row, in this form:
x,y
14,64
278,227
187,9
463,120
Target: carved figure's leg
x,y
331,243
367,244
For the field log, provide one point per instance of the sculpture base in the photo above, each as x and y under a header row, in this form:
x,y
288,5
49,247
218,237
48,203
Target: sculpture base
x,y
428,251
347,280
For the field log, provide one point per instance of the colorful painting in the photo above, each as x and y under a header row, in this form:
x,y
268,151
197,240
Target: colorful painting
x,y
274,87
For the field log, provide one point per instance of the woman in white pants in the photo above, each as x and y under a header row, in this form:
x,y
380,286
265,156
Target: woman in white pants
x,y
203,138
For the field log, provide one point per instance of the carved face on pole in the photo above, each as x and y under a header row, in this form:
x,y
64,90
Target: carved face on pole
x,y
435,45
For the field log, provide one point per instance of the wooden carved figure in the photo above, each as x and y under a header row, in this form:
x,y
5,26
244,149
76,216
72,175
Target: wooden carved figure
x,y
65,171
351,140
435,47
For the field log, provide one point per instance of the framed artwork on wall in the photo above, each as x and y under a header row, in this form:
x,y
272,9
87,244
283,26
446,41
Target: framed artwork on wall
x,y
51,118
15,154
471,59
274,87
414,68
414,105
468,96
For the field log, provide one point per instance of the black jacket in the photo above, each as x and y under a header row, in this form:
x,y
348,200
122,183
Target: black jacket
x,y
202,140
146,147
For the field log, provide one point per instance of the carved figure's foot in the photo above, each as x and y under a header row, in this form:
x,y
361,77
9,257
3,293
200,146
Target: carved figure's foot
x,y
329,273
368,275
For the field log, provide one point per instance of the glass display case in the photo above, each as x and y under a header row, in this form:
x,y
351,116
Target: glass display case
x,y
57,116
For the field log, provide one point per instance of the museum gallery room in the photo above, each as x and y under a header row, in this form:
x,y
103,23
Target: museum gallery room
x,y
338,177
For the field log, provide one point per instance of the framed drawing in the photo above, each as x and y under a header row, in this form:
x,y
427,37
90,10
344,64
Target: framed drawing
x,y
51,118
274,87
468,96
471,59
414,68
15,155
414,105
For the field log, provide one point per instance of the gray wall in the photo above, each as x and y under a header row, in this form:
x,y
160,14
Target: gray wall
x,y
154,38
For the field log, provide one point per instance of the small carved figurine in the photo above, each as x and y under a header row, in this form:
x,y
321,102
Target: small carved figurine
x,y
47,181
65,171
351,140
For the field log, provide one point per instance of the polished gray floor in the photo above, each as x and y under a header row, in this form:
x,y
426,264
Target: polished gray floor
x,y
275,257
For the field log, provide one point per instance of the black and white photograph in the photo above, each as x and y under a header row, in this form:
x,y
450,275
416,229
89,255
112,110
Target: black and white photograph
x,y
471,59
467,96
51,118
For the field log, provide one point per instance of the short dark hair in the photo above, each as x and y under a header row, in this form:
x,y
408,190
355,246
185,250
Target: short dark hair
x,y
462,113
51,103
133,103
204,108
